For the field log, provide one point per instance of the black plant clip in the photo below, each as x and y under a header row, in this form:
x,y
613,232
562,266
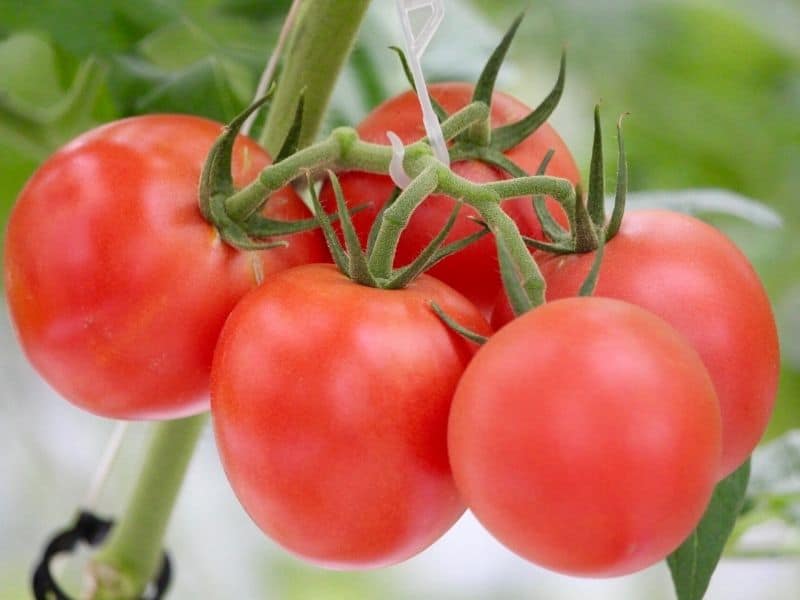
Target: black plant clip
x,y
92,530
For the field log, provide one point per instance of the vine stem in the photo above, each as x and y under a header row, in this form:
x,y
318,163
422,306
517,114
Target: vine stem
x,y
322,38
272,65
125,564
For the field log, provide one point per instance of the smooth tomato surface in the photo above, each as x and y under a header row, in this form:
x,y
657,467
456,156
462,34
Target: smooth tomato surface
x,y
473,271
585,436
117,286
330,403
697,280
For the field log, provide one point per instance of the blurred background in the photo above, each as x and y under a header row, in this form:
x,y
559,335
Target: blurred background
x,y
713,88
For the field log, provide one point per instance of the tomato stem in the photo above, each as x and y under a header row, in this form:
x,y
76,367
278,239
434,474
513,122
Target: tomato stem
x,y
341,150
322,38
128,560
395,219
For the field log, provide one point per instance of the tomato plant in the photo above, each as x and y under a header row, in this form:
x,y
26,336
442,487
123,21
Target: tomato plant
x,y
330,403
117,286
582,464
472,271
692,276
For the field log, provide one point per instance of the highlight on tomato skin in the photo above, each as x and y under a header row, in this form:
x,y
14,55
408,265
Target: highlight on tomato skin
x,y
585,436
117,286
473,271
695,278
330,403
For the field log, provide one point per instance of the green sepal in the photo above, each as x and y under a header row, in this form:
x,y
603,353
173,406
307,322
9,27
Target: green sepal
x,y
232,232
550,227
590,283
216,178
481,133
260,227
331,239
464,332
564,247
622,187
357,260
422,262
441,113
486,82
292,141
584,236
694,562
457,246
508,136
597,189
518,297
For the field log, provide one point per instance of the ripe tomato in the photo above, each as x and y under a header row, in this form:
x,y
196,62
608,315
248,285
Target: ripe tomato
x,y
117,286
585,436
474,271
330,404
693,277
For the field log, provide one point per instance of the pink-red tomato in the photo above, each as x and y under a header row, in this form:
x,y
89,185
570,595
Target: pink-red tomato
x,y
585,436
117,286
330,403
473,271
697,280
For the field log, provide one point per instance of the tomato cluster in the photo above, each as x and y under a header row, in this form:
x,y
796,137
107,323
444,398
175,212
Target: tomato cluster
x,y
353,423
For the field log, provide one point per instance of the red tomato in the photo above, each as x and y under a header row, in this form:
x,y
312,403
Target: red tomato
x,y
695,278
117,286
330,404
585,436
474,271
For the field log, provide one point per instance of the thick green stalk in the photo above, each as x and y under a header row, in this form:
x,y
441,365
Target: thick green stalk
x,y
321,41
395,220
132,554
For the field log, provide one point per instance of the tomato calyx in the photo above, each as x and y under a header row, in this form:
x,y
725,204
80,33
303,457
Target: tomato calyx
x,y
254,232
366,266
588,228
480,140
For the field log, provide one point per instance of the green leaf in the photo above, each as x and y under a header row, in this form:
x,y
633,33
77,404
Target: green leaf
x,y
206,88
23,55
701,200
87,27
694,562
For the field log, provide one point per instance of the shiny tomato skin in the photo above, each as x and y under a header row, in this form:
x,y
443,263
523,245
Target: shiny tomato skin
x,y
473,271
118,288
330,403
692,276
585,436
